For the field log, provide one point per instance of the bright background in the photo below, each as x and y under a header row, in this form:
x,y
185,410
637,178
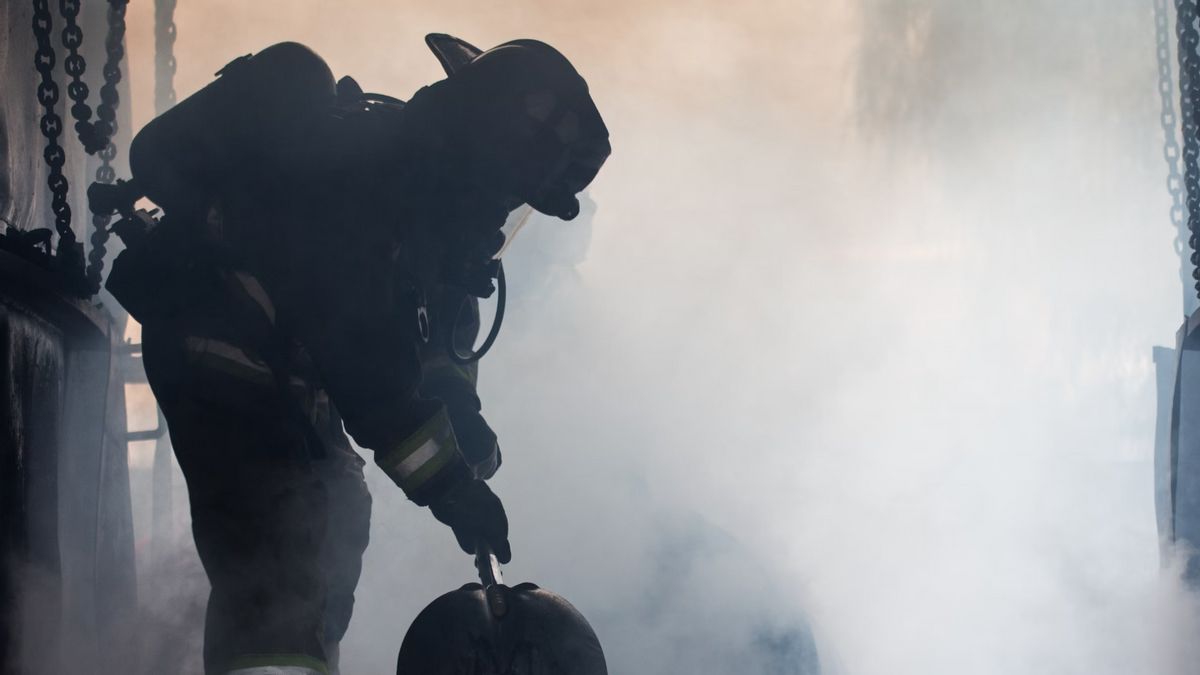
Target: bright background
x,y
862,341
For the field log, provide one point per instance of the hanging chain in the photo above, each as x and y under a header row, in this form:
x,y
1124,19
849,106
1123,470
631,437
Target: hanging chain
x,y
1171,150
1189,97
75,66
110,98
93,135
52,126
164,55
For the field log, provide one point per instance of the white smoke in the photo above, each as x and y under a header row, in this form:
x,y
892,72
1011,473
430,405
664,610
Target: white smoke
x,y
878,363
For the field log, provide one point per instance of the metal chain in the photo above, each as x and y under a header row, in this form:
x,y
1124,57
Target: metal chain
x,y
75,66
164,55
1171,150
110,98
93,135
1189,97
51,123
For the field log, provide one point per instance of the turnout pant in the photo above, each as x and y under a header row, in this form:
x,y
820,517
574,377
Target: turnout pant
x,y
280,525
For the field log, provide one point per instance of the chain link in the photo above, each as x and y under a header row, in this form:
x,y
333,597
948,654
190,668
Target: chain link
x,y
164,55
110,99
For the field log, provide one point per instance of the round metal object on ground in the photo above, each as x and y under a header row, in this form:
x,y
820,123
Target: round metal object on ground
x,y
538,633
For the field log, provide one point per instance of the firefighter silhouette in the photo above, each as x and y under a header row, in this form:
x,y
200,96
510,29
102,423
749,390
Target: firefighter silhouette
x,y
317,268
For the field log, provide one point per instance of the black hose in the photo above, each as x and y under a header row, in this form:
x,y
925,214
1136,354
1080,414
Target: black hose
x,y
451,345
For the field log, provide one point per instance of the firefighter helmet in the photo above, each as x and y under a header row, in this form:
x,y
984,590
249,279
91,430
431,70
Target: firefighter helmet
x,y
526,119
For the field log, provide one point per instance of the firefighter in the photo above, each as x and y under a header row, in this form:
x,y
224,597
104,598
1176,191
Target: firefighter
x,y
316,269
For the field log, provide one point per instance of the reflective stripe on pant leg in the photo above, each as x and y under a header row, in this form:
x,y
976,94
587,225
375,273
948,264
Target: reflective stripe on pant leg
x,y
419,457
277,670
277,664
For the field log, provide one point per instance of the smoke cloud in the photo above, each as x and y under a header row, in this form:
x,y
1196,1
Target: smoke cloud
x,y
860,353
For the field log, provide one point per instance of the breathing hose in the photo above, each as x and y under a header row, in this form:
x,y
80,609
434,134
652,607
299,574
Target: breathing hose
x,y
451,344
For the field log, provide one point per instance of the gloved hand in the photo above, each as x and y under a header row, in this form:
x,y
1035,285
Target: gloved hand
x,y
474,512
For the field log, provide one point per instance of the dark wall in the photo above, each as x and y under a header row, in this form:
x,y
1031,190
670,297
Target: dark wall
x,y
67,587
31,379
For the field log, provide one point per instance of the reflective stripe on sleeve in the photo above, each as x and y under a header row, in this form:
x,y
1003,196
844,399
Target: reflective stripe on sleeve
x,y
419,457
229,359
277,664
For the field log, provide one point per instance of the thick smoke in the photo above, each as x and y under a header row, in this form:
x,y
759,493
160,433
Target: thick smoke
x,y
861,342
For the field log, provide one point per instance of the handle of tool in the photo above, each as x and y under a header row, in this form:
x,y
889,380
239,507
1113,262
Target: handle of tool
x,y
491,578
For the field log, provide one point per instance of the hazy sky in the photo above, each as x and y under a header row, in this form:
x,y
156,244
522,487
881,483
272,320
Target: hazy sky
x,y
863,337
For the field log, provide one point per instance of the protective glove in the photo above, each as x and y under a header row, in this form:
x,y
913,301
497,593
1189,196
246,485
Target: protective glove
x,y
474,512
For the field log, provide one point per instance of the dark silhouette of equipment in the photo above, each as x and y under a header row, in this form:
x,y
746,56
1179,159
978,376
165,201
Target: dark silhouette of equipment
x,y
493,629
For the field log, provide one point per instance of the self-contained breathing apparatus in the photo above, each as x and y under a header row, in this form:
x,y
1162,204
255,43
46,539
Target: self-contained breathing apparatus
x,y
519,116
